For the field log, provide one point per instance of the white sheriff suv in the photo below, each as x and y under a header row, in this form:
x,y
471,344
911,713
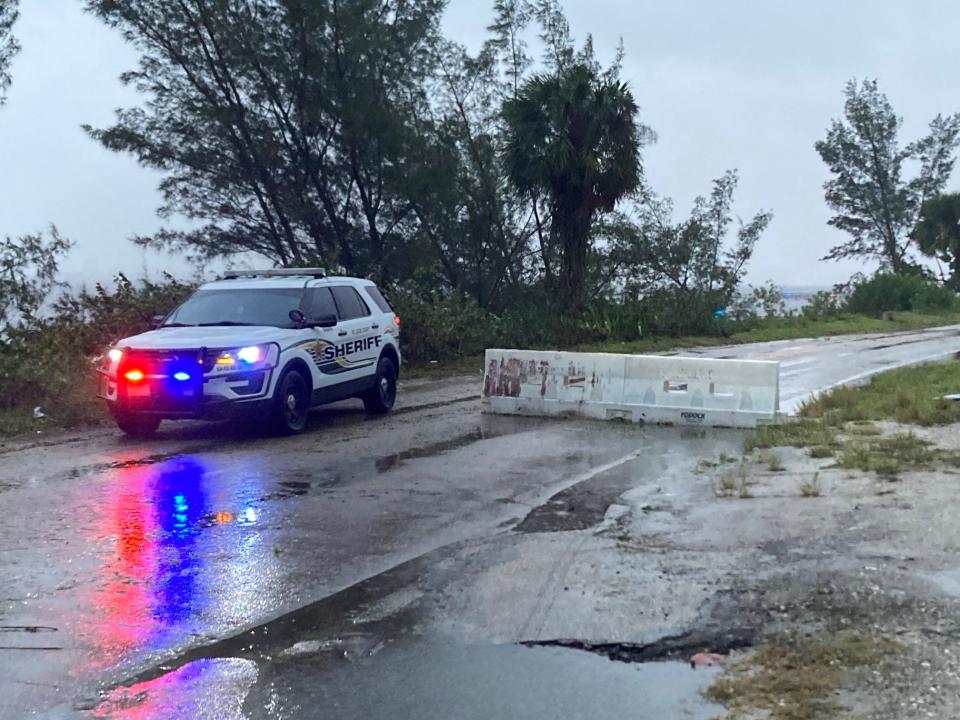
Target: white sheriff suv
x,y
266,345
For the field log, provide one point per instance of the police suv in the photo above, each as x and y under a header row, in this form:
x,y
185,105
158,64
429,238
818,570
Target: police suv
x,y
264,345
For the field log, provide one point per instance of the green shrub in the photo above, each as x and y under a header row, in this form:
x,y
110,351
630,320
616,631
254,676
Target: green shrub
x,y
678,313
823,305
49,362
933,297
443,327
607,321
886,292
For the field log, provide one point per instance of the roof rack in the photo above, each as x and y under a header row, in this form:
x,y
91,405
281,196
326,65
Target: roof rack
x,y
276,272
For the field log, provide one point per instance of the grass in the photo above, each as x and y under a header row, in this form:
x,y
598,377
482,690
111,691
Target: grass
x,y
790,678
887,456
863,428
840,423
76,407
800,433
774,463
734,484
911,395
727,487
811,488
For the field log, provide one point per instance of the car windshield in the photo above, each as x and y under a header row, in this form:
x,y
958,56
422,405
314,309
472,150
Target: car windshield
x,y
240,306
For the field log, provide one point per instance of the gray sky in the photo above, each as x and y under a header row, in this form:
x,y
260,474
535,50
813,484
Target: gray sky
x,y
738,84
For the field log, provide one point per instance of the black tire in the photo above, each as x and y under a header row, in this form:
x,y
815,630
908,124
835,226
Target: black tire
x,y
138,426
291,404
379,399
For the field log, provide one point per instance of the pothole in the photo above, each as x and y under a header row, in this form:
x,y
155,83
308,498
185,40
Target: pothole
x,y
434,680
675,647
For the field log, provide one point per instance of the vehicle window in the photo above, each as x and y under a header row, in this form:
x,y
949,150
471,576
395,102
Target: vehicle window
x,y
240,306
350,303
319,302
379,298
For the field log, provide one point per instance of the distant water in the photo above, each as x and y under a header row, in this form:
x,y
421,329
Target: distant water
x,y
796,296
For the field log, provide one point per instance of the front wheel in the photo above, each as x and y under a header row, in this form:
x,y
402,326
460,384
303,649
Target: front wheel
x,y
380,398
291,404
138,426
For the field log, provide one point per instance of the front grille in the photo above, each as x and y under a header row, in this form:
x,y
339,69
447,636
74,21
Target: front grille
x,y
165,358
160,389
210,358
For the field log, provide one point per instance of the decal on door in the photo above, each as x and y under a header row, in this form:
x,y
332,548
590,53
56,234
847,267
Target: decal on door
x,y
331,358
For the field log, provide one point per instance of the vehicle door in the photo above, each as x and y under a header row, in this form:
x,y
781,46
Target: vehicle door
x,y
358,335
318,303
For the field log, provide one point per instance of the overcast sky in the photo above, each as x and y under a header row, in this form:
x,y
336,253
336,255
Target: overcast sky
x,y
739,84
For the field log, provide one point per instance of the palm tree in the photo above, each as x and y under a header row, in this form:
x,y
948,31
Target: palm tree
x,y
937,233
574,136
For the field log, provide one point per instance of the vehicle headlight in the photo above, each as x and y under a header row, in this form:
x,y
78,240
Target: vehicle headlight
x,y
109,361
250,357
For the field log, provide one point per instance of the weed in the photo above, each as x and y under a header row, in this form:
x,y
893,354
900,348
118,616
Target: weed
x,y
636,544
887,456
774,463
811,488
863,429
790,678
799,433
726,487
726,459
911,395
821,451
743,486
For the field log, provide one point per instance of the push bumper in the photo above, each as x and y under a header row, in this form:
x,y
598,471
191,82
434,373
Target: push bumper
x,y
243,396
215,410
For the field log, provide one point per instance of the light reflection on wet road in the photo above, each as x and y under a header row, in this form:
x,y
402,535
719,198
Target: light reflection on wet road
x,y
176,550
151,582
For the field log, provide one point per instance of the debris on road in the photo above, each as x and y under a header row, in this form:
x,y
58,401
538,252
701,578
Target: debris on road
x,y
706,659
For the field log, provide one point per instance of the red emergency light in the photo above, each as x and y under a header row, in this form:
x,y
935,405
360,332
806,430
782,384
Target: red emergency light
x,y
134,376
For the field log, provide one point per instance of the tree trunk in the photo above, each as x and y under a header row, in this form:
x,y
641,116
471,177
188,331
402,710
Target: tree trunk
x,y
574,234
892,250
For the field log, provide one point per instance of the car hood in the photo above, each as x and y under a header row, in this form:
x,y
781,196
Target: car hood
x,y
197,337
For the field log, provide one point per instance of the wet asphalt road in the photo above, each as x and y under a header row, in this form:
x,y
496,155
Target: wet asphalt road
x,y
812,365
214,573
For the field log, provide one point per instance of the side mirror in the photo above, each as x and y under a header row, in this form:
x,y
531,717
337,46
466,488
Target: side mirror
x,y
326,321
157,320
297,317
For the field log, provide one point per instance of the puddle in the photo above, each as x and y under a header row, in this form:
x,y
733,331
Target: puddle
x,y
201,689
490,427
947,580
660,459
579,507
438,681
391,461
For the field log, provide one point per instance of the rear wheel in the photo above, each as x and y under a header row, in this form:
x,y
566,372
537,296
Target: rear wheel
x,y
138,426
380,398
291,404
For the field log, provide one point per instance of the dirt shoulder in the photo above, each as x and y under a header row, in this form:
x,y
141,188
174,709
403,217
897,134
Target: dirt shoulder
x,y
855,601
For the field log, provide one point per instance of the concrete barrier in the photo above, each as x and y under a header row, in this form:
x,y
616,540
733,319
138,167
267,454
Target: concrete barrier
x,y
637,388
